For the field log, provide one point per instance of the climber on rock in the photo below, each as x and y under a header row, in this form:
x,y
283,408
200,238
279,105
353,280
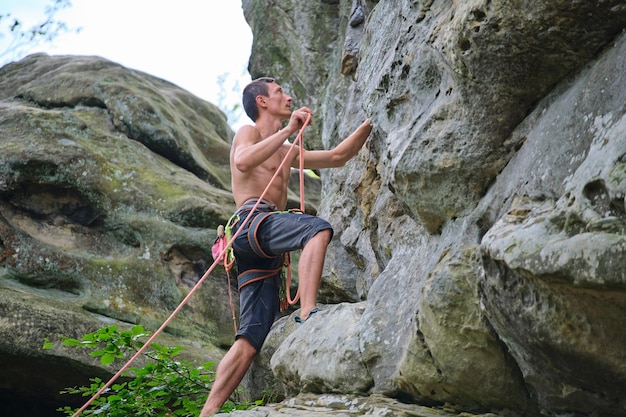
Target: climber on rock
x,y
256,153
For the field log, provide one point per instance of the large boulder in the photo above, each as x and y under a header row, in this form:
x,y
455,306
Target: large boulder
x,y
112,183
554,264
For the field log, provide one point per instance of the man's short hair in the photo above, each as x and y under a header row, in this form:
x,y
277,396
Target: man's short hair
x,y
256,88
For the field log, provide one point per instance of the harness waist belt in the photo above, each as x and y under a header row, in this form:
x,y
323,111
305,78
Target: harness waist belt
x,y
249,204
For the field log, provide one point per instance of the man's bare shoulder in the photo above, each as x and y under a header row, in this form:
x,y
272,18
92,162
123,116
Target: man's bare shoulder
x,y
247,129
247,134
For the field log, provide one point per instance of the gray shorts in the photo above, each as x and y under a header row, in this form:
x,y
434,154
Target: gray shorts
x,y
259,254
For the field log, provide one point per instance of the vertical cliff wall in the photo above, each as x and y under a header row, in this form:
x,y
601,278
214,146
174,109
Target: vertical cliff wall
x,y
479,252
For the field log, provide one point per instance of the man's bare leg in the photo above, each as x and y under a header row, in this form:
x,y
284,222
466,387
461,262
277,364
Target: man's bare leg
x,y
230,372
310,268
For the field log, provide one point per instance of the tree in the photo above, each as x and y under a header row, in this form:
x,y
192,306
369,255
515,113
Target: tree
x,y
25,38
228,84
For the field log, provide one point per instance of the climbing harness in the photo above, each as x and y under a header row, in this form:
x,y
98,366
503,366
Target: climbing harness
x,y
250,276
210,269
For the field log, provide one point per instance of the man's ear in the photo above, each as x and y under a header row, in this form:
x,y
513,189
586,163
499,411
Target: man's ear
x,y
260,101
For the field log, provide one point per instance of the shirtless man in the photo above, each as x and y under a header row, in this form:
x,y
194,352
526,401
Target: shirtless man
x,y
256,153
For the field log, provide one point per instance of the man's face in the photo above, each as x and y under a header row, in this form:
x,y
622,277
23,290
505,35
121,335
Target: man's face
x,y
278,102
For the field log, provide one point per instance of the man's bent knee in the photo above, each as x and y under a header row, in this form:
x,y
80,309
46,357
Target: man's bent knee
x,y
325,235
244,347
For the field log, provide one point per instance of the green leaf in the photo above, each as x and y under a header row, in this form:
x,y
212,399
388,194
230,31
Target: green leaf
x,y
138,330
47,344
97,353
107,358
89,337
71,342
114,398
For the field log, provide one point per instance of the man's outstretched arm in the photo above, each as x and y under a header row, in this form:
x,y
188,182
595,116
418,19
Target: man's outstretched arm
x,y
339,155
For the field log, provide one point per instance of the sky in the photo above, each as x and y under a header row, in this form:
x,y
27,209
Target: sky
x,y
202,46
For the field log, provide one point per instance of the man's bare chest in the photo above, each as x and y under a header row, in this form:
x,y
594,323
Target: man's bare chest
x,y
276,161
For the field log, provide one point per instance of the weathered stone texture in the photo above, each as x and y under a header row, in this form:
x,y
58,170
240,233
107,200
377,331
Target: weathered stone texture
x,y
478,261
483,224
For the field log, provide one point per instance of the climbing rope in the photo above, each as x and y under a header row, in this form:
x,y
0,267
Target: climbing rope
x,y
291,301
211,268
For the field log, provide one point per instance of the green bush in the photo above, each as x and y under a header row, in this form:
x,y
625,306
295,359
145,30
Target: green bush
x,y
164,386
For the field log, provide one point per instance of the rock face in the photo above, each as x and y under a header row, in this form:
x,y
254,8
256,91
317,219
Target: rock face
x,y
478,260
482,231
112,183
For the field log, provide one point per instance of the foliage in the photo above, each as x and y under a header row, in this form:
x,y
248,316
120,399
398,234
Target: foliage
x,y
164,386
25,38
227,84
